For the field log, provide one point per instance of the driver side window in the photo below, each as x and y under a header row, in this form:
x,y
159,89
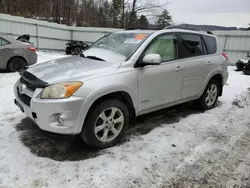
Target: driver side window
x,y
165,46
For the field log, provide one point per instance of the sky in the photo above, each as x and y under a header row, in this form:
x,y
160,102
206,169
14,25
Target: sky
x,y
215,12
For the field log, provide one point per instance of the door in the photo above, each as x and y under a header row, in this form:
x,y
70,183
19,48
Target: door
x,y
161,84
6,52
194,64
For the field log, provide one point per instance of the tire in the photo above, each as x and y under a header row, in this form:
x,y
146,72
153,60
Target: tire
x,y
68,50
247,66
77,50
206,101
239,65
16,64
246,69
246,72
97,124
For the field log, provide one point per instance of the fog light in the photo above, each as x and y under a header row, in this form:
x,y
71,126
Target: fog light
x,y
60,119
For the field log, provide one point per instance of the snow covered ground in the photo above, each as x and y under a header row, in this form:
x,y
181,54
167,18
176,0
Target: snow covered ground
x,y
176,147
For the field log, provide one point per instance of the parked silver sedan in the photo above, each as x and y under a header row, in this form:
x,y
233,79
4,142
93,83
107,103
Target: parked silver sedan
x,y
16,55
121,76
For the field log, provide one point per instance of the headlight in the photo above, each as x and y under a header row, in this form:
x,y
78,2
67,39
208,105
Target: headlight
x,y
60,90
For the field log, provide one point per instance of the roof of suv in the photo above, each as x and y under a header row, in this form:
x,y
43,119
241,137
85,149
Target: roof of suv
x,y
137,31
164,30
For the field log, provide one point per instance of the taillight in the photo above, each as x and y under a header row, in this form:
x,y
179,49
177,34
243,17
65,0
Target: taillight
x,y
225,55
32,49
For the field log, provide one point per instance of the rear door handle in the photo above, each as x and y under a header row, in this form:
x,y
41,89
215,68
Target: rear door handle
x,y
178,69
209,62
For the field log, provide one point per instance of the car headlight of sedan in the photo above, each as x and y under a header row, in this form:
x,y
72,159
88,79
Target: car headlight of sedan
x,y
60,90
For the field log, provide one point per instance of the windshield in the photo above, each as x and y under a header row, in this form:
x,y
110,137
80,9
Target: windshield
x,y
124,44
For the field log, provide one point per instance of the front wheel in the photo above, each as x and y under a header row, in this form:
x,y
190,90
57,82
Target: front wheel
x,y
106,124
210,96
68,50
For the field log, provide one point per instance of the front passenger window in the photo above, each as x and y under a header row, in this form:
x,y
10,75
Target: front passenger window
x,y
165,46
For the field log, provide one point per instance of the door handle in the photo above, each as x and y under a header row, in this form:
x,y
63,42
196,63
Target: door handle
x,y
209,62
178,69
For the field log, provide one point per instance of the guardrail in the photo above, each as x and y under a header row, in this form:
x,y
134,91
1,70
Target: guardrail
x,y
49,36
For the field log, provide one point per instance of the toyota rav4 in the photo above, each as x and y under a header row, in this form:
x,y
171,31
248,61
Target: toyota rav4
x,y
119,77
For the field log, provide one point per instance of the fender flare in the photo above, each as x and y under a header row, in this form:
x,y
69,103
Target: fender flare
x,y
89,101
209,77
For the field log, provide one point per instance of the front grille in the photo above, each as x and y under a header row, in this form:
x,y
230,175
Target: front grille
x,y
31,82
28,85
24,98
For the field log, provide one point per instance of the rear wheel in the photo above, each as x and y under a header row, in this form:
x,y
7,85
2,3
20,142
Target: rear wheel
x,y
16,64
210,96
106,124
246,71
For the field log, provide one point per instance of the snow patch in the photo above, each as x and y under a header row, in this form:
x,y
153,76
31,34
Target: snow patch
x,y
212,148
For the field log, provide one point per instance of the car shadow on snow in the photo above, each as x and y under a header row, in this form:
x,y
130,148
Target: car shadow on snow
x,y
72,148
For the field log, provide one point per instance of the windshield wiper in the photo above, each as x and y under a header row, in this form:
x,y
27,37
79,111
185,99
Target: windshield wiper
x,y
93,57
96,58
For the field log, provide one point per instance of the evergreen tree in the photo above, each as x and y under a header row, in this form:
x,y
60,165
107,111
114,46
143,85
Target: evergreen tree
x,y
126,19
142,22
104,13
115,10
165,19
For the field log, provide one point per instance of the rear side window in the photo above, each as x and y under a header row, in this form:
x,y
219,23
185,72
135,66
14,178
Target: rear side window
x,y
190,46
210,44
3,42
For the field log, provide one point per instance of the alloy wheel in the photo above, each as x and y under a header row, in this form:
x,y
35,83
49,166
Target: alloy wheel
x,y
109,124
211,95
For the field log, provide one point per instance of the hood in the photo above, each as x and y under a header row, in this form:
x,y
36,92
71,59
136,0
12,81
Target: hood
x,y
71,68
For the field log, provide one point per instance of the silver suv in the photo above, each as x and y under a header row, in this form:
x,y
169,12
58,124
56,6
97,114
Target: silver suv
x,y
121,76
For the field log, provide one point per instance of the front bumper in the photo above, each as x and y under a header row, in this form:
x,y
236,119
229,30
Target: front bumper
x,y
44,112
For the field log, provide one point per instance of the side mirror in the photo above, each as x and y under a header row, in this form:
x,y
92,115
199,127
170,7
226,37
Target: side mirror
x,y
151,59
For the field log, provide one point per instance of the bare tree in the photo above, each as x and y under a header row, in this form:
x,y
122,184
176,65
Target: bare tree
x,y
123,14
147,6
4,7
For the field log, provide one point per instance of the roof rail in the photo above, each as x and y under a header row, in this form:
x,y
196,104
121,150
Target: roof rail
x,y
143,28
187,27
